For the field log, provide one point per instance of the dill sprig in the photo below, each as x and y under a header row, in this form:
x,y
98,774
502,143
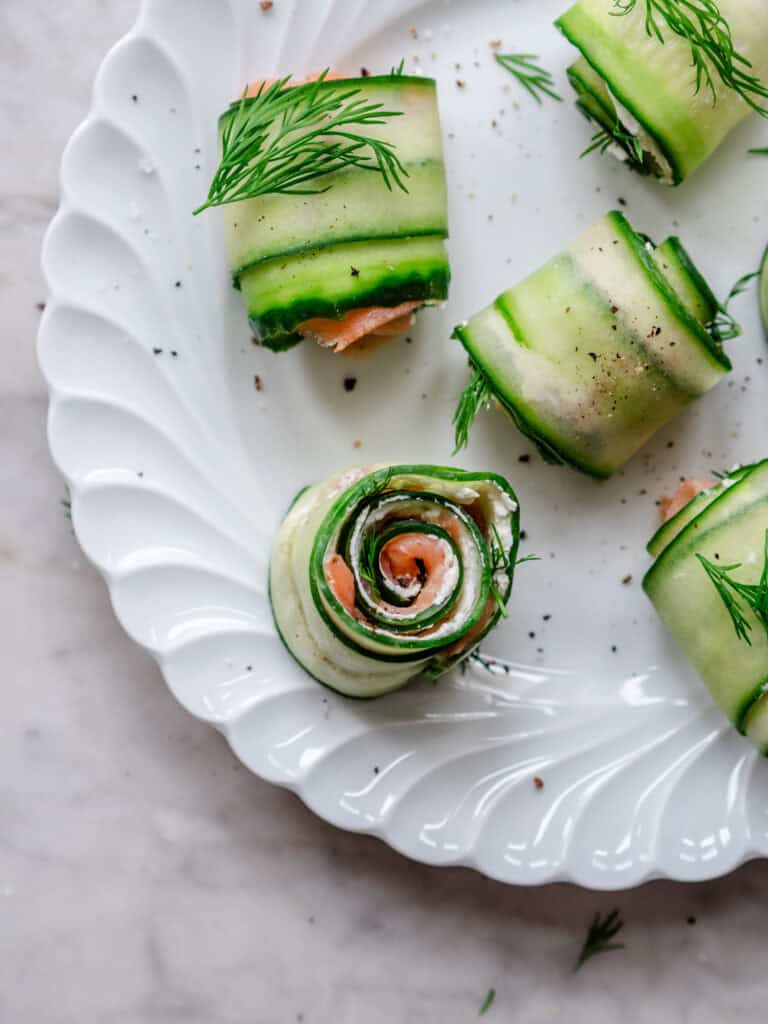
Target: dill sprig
x,y
501,561
534,79
366,559
600,937
759,151
630,143
723,326
735,595
491,995
283,139
476,396
713,50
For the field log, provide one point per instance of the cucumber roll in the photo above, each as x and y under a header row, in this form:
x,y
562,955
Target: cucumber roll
x,y
665,82
379,575
709,584
335,207
597,350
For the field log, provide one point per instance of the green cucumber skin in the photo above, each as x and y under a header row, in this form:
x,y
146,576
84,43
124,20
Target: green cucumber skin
x,y
282,294
669,296
522,417
355,204
357,207
696,280
667,532
722,525
531,347
276,330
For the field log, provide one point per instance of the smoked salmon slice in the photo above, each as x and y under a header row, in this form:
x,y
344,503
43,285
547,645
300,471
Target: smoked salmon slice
x,y
686,492
375,321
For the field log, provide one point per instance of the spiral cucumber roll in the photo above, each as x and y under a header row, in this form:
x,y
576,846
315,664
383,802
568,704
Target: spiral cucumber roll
x,y
597,350
379,575
638,82
709,584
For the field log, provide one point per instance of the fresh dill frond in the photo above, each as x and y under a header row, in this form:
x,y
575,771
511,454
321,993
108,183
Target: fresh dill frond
x,y
476,396
536,80
399,71
605,137
527,558
490,997
723,326
366,559
600,937
284,139
501,561
761,151
735,594
713,50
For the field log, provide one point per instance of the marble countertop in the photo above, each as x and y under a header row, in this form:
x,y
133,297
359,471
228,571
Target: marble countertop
x,y
144,876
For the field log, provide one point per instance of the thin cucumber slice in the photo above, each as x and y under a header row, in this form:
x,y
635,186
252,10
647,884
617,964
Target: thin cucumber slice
x,y
357,207
283,293
400,627
597,350
687,280
729,529
672,527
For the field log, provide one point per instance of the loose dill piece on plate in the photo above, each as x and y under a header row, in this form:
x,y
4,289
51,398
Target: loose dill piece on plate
x,y
724,327
536,80
600,937
284,138
487,1002
735,595
475,397
713,50
760,151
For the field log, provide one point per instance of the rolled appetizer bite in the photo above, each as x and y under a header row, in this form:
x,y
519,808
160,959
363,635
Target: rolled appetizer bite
x,y
597,350
335,206
663,81
709,584
381,574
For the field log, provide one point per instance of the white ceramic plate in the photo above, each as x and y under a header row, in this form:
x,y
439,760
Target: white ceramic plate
x,y
180,469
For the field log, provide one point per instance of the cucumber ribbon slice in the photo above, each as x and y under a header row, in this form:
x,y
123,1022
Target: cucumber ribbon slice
x,y
379,575
723,528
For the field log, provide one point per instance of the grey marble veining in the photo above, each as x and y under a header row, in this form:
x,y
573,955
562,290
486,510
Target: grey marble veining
x,y
144,876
